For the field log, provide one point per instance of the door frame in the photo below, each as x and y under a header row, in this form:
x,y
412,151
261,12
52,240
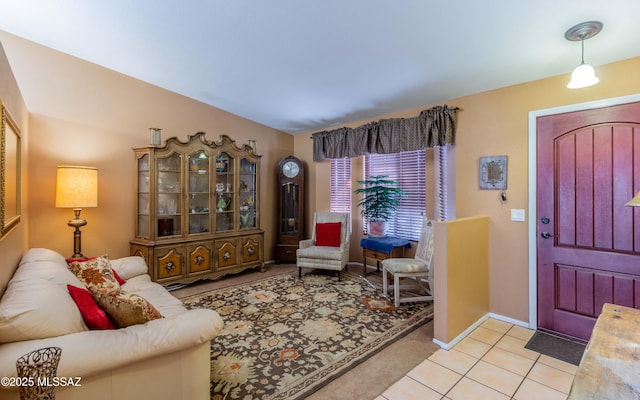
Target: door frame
x,y
532,166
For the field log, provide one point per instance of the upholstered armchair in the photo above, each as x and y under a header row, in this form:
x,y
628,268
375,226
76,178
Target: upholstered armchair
x,y
328,247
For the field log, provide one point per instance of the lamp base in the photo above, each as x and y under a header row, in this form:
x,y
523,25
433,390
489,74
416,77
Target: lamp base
x,y
77,222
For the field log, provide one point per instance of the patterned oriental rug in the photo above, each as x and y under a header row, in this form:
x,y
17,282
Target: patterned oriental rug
x,y
286,337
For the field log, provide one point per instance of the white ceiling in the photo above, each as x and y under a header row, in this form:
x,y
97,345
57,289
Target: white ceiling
x,y
302,65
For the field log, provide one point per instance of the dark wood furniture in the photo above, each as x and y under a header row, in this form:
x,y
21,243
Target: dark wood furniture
x,y
381,248
197,209
290,189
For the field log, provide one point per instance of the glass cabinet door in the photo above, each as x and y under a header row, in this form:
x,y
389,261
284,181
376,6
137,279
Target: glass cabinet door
x,y
199,193
225,209
169,195
143,197
247,194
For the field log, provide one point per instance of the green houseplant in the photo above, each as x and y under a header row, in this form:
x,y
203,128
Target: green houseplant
x,y
380,200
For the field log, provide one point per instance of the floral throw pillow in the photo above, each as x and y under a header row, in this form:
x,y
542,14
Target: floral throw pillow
x,y
94,317
95,273
125,308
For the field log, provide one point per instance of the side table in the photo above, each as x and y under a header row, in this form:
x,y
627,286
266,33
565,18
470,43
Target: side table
x,y
381,248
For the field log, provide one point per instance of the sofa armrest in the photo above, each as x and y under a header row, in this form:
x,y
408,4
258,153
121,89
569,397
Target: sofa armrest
x,y
87,353
128,267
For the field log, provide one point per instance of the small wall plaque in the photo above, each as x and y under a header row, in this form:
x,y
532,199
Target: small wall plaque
x,y
493,172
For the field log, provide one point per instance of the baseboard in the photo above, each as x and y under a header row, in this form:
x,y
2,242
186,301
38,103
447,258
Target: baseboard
x,y
466,332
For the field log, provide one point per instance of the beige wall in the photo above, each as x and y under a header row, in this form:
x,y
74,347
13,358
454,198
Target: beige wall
x,y
461,275
496,123
99,117
15,242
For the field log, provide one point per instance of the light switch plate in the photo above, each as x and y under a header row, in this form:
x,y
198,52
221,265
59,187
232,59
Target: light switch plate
x,y
517,215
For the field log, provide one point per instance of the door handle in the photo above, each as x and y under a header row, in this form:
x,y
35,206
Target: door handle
x,y
546,235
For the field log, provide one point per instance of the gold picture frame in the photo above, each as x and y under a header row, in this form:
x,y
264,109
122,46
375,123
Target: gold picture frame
x,y
10,179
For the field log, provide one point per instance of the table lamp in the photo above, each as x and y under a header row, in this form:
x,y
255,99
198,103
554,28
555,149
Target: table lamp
x,y
76,187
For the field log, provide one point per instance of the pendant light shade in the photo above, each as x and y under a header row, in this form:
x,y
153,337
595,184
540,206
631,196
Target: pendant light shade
x,y
583,75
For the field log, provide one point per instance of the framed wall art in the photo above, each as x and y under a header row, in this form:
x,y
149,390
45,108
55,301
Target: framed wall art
x,y
493,172
9,173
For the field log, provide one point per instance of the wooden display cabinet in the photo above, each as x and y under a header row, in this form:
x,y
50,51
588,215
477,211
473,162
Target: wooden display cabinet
x,y
197,209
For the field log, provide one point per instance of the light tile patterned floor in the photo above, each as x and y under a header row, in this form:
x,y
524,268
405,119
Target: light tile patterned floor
x,y
490,363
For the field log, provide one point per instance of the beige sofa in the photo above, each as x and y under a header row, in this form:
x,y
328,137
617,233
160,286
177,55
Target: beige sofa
x,y
166,358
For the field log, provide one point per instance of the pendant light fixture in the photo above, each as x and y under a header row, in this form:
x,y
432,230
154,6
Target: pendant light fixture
x,y
583,75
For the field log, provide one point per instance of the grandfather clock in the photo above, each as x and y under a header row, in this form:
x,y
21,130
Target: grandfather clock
x,y
290,186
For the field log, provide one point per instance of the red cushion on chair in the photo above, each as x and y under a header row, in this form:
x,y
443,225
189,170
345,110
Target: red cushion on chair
x,y
328,234
92,314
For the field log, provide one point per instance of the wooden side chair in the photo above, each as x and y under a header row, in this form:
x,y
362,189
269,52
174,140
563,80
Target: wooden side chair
x,y
417,269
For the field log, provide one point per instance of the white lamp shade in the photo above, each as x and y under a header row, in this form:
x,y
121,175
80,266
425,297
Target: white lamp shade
x,y
584,75
635,202
76,187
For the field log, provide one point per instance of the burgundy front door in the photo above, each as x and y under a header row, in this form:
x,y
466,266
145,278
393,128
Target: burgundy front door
x,y
588,241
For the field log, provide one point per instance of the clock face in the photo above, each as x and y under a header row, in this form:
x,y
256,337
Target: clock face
x,y
290,169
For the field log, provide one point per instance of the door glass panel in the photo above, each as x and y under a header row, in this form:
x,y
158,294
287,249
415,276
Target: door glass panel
x,y
169,195
143,196
247,194
199,193
224,204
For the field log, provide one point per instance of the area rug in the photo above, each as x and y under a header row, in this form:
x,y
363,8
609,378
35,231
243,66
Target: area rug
x,y
556,347
285,337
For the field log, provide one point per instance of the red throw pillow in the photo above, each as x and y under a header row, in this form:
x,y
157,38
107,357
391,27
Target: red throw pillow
x,y
328,234
92,314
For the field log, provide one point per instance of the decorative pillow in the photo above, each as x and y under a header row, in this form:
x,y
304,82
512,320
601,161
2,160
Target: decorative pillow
x,y
126,308
95,273
328,234
92,314
120,280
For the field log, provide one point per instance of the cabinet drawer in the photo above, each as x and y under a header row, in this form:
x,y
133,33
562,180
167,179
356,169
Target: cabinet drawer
x,y
251,249
286,253
169,262
397,252
200,258
227,253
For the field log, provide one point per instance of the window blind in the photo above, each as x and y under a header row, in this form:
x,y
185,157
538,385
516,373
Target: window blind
x,y
341,185
442,199
408,170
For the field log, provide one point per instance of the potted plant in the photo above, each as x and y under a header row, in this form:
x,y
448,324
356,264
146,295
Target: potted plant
x,y
380,200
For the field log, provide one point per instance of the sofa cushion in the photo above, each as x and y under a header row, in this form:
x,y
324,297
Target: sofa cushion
x,y
95,273
37,309
125,308
156,294
128,267
328,234
92,314
36,303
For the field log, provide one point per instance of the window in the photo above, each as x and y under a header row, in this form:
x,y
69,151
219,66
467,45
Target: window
x,y
341,185
408,170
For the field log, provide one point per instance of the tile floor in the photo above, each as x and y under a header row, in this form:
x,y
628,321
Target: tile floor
x,y
490,363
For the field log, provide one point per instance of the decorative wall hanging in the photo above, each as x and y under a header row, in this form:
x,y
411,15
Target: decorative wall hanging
x,y
9,172
493,172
